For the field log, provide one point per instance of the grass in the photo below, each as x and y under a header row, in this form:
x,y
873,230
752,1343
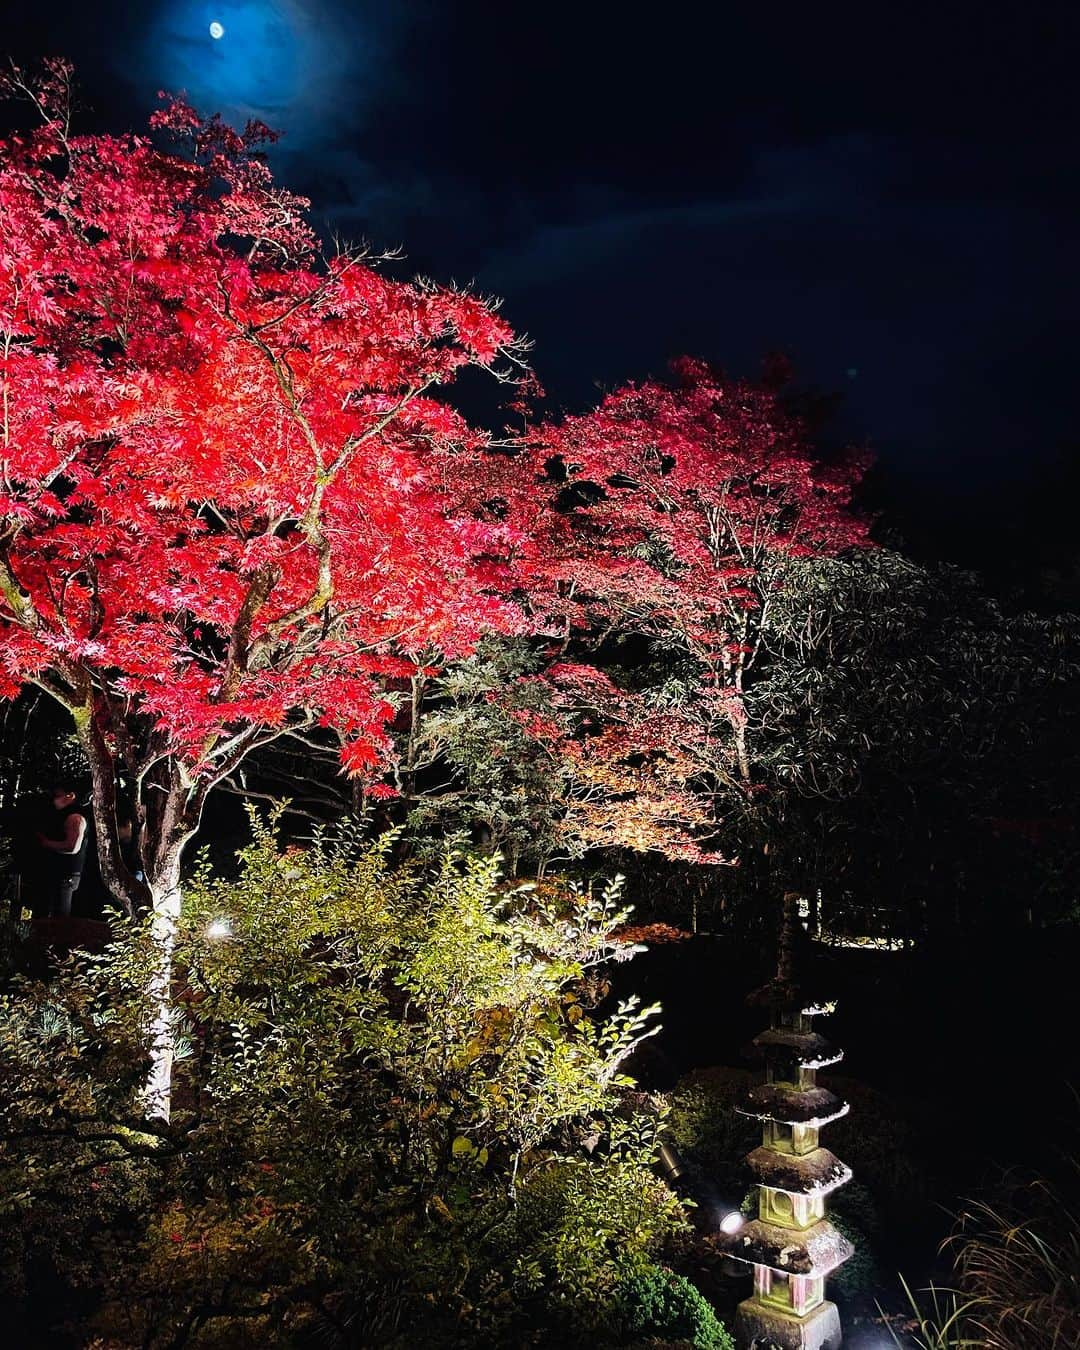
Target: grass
x,y
1020,1264
1017,1268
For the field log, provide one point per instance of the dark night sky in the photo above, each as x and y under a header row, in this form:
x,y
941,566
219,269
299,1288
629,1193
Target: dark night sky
x,y
887,192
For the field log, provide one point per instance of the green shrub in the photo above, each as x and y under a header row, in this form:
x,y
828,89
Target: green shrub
x,y
705,1127
657,1303
397,1119
880,1140
859,1273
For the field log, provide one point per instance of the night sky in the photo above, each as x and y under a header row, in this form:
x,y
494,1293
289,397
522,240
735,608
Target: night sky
x,y
886,192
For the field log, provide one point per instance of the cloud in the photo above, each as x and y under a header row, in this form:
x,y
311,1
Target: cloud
x,y
311,68
899,256
838,252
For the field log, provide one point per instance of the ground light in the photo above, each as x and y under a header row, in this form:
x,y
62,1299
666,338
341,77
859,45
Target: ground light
x,y
728,1219
218,930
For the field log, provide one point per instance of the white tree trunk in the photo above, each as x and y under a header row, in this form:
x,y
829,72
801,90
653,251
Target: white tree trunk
x,y
157,1093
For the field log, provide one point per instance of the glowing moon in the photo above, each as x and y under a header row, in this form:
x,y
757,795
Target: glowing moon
x,y
216,30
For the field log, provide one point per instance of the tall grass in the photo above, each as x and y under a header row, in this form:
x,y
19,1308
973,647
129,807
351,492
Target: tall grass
x,y
1020,1265
1017,1268
939,1321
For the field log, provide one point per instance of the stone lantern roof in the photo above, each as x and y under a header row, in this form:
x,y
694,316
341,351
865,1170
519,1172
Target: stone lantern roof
x,y
808,1048
792,1105
799,996
817,1251
814,1173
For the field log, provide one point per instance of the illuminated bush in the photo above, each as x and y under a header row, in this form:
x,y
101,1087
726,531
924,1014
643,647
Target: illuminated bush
x,y
398,1116
704,1125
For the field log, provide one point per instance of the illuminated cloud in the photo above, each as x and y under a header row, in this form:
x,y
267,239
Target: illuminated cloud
x,y
307,69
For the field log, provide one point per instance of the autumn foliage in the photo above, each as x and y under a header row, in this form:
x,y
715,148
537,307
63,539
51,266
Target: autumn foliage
x,y
662,519
235,508
220,502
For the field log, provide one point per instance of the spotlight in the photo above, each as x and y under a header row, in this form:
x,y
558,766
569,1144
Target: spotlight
x,y
732,1221
217,30
219,929
670,1163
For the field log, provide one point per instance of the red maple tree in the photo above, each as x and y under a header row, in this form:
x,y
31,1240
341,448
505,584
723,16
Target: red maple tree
x,y
220,512
667,516
701,488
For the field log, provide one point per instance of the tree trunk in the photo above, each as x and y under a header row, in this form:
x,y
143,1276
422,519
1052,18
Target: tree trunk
x,y
416,705
91,723
166,823
165,916
738,725
170,817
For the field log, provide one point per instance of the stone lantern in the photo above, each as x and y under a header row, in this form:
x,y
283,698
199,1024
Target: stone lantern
x,y
791,1244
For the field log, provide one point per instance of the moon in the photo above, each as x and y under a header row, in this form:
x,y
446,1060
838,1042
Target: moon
x,y
277,61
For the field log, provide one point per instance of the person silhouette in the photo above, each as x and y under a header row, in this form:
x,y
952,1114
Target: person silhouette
x,y
65,840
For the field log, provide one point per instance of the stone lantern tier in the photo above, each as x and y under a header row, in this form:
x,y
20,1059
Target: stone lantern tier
x,y
815,1252
764,1327
791,1000
787,1104
815,1173
808,1049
